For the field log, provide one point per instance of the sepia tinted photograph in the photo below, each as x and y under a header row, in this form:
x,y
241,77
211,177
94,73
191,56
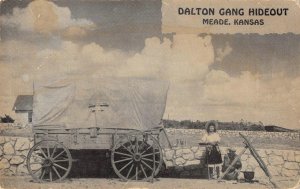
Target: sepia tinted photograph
x,y
146,94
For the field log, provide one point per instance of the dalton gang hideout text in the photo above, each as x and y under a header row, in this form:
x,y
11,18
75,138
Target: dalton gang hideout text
x,y
250,12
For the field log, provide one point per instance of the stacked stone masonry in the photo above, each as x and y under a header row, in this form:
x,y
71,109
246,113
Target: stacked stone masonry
x,y
189,161
185,161
260,134
13,153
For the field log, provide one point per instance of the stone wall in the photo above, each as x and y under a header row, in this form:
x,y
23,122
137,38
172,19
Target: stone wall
x,y
180,161
13,152
189,161
260,134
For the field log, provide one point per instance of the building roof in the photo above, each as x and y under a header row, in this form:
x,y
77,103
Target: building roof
x,y
23,103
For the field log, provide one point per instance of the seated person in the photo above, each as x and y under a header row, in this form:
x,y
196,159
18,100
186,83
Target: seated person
x,y
235,169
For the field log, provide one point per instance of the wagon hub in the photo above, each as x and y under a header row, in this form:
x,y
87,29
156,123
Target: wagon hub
x,y
48,163
137,157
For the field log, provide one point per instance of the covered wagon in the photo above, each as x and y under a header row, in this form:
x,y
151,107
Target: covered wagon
x,y
120,114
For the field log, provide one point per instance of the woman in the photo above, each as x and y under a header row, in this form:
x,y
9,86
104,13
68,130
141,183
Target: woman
x,y
213,154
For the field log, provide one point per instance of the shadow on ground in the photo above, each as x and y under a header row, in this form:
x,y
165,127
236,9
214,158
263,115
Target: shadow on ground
x,y
91,164
97,164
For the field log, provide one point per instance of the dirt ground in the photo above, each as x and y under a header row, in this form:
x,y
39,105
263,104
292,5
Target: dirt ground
x,y
165,183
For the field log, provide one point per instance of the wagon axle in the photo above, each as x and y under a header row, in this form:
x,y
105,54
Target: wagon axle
x,y
137,157
48,163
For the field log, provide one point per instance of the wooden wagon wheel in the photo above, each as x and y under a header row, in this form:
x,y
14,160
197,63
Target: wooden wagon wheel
x,y
136,156
49,161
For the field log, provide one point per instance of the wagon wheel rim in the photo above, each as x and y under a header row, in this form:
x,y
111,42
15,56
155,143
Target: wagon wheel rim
x,y
136,157
49,161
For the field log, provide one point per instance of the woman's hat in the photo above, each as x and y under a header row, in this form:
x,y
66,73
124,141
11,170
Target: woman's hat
x,y
212,122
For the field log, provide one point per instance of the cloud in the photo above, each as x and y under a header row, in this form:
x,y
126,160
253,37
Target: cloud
x,y
221,53
15,50
166,60
196,91
220,88
74,32
272,100
186,58
22,63
73,60
44,17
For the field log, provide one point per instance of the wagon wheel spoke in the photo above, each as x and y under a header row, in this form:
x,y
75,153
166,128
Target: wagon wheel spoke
x,y
150,160
120,153
61,160
59,154
134,176
56,172
48,150
150,154
53,152
125,166
129,171
50,174
42,151
61,167
147,165
131,145
136,172
143,170
146,150
122,160
43,174
127,149
136,145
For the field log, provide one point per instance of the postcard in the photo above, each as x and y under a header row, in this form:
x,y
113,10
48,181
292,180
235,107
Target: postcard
x,y
144,94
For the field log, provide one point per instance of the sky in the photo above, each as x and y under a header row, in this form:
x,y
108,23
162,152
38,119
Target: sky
x,y
223,77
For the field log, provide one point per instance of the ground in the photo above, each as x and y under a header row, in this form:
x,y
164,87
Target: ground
x,y
165,183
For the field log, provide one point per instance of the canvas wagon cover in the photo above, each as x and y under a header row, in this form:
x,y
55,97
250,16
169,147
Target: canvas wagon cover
x,y
129,103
